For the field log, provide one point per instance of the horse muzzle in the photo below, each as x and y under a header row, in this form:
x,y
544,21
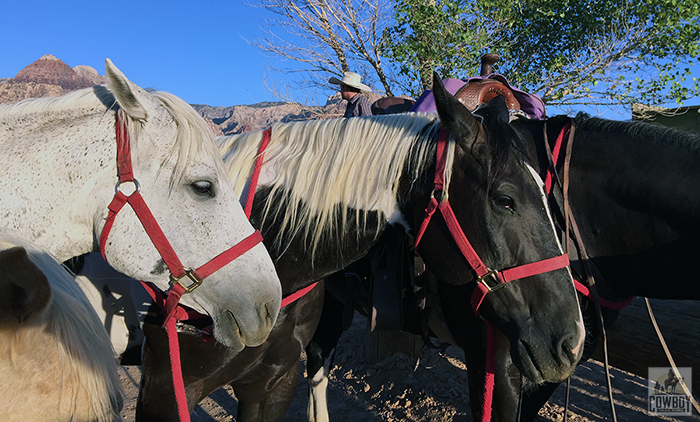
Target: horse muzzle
x,y
245,327
548,361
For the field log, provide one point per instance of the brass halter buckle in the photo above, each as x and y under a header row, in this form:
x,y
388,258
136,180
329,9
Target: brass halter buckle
x,y
490,280
189,273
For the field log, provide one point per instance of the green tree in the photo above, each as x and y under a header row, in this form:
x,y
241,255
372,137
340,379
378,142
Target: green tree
x,y
569,51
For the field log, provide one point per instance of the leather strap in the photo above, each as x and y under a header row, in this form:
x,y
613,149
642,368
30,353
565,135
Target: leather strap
x,y
256,172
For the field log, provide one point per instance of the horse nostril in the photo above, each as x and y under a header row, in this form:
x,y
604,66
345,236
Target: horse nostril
x,y
567,349
270,313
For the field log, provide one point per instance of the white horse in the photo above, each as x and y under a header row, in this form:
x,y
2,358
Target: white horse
x,y
59,174
56,361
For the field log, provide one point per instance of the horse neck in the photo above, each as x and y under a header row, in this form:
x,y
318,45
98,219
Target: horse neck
x,y
647,170
60,180
329,198
634,201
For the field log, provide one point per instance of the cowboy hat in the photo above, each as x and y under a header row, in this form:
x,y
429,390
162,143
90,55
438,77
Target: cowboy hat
x,y
350,79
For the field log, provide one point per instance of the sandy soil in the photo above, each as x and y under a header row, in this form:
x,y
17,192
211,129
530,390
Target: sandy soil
x,y
434,389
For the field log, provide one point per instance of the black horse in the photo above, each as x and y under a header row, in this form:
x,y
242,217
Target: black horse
x,y
633,193
329,189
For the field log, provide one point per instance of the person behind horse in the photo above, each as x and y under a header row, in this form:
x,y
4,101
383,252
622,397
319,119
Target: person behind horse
x,y
350,87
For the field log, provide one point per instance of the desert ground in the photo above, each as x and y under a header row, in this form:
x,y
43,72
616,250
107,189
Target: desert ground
x,y
433,389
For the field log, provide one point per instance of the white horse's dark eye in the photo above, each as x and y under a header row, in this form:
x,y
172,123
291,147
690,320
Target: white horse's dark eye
x,y
504,201
203,188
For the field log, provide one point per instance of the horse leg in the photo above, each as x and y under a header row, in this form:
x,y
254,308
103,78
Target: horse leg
x,y
201,363
156,387
320,353
274,404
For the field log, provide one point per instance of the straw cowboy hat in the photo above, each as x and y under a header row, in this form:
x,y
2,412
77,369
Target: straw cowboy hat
x,y
350,79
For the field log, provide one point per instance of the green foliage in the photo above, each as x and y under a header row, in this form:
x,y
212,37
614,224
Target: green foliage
x,y
568,51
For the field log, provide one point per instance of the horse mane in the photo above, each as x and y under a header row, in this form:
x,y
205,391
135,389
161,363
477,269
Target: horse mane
x,y
191,126
640,130
80,338
326,167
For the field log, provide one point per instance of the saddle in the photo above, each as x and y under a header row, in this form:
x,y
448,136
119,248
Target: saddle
x,y
391,105
477,92
481,89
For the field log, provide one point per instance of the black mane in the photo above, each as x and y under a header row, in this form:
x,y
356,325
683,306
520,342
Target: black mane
x,y
641,131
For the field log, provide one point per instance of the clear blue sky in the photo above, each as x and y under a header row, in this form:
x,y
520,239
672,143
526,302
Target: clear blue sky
x,y
193,49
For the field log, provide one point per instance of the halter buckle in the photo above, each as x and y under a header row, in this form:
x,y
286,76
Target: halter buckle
x,y
492,277
189,273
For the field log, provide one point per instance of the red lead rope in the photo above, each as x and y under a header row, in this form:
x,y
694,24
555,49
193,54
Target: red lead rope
x,y
166,251
482,271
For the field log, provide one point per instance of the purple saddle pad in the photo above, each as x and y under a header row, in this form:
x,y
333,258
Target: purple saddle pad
x,y
531,104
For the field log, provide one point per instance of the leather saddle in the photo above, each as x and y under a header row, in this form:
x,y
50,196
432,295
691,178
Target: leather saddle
x,y
478,92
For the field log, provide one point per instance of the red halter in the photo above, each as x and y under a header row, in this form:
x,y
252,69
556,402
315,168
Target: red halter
x,y
178,272
249,208
488,280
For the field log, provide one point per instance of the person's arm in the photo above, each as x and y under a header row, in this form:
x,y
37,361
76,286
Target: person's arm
x,y
365,107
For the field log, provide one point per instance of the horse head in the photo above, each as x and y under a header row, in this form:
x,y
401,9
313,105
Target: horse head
x,y
498,201
180,176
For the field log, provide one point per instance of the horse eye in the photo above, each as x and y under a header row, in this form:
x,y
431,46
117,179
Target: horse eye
x,y
504,201
203,188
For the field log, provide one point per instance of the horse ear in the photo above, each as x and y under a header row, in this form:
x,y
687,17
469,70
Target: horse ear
x,y
500,107
26,290
453,114
124,91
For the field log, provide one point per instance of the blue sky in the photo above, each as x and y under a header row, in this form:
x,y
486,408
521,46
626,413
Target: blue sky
x,y
196,50
193,49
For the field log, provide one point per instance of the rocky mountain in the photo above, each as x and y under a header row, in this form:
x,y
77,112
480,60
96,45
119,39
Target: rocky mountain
x,y
47,77
246,118
51,77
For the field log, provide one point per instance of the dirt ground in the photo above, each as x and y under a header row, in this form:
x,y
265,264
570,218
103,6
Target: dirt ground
x,y
434,389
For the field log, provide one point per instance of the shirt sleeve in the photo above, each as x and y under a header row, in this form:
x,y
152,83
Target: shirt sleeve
x,y
365,107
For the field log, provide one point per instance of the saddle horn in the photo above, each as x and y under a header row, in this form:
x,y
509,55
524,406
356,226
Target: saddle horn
x,y
487,62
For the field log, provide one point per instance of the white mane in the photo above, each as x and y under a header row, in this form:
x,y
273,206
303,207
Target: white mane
x,y
85,353
328,166
191,128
